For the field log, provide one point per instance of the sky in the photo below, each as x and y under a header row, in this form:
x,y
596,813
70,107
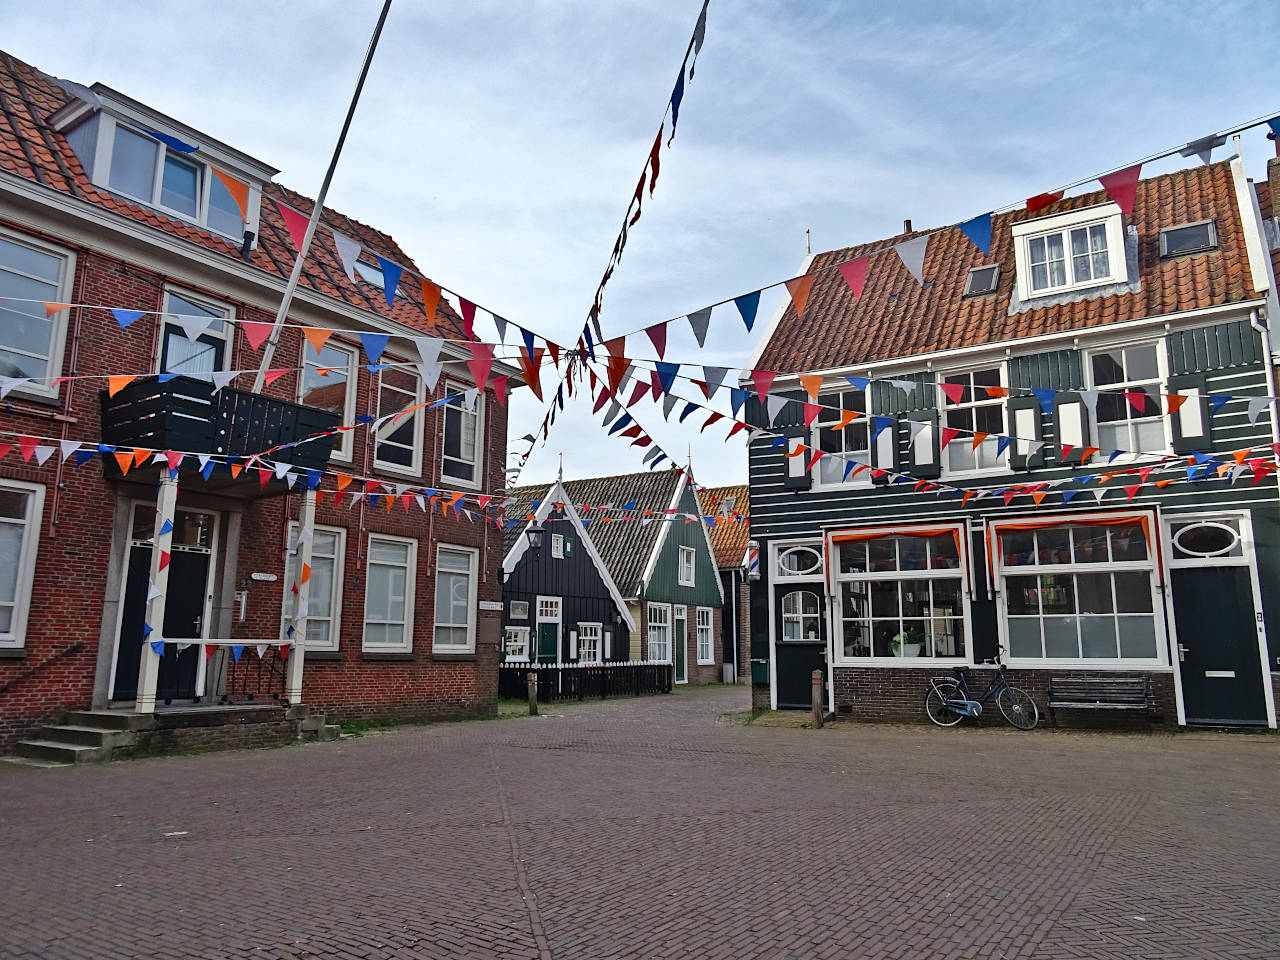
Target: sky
x,y
500,142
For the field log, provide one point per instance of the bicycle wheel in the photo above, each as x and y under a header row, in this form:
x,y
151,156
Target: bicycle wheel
x,y
935,702
1018,708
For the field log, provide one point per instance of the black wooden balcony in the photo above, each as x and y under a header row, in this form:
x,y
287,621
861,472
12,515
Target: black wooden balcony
x,y
186,414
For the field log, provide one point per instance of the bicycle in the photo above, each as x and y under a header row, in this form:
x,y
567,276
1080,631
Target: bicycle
x,y
949,699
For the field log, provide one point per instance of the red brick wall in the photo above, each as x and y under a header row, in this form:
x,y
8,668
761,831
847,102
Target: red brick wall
x,y
54,672
698,674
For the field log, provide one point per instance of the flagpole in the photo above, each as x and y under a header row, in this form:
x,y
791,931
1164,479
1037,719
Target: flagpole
x,y
269,353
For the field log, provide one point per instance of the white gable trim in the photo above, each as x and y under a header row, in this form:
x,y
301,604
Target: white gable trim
x,y
669,519
522,544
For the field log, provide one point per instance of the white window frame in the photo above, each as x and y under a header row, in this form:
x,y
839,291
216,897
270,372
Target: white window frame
x,y
664,622
691,554
16,637
589,633
1151,565
415,468
1027,230
335,618
945,404
515,634
411,580
835,586
58,322
342,450
812,573
814,441
557,546
706,635
456,406
226,335
1160,347
473,577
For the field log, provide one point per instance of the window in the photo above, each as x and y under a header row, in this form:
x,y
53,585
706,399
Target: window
x,y
548,609
589,641
1192,238
1079,249
557,546
901,595
1129,410
461,459
144,169
455,599
519,609
327,383
1079,591
194,342
324,600
974,410
398,446
848,443
659,632
706,649
516,643
372,274
21,510
388,593
801,614
30,342
982,280
799,561
687,556
1199,539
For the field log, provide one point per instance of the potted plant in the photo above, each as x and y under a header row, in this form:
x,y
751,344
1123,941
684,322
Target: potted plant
x,y
908,643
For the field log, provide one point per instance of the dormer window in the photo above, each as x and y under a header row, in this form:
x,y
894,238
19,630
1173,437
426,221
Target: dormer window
x,y
144,169
1070,251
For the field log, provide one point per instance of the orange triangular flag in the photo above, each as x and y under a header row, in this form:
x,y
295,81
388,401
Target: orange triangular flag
x,y
1241,454
978,438
116,384
390,502
235,469
812,383
125,460
1163,483
306,573
239,191
1175,401
847,417
996,391
430,300
316,337
51,308
799,290
1038,497
343,481
140,454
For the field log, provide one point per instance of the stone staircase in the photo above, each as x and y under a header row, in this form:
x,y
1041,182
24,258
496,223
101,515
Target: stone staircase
x,y
93,736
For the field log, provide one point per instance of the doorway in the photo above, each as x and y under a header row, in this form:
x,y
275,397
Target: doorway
x,y
187,603
1221,649
548,628
800,644
680,642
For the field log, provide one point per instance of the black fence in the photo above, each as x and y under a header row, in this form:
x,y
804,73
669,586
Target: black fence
x,y
186,413
582,681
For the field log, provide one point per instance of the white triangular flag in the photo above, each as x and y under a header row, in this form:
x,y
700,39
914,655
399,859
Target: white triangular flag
x,y
912,255
348,253
281,469
668,404
430,373
182,646
916,427
153,592
1256,406
8,383
291,479
43,453
302,609
204,459
422,502
262,650
469,397
908,385
222,378
305,534
774,405
68,447
193,326
1090,400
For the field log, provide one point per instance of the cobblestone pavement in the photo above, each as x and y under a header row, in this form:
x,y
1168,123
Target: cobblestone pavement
x,y
655,828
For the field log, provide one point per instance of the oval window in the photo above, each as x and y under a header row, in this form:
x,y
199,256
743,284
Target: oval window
x,y
798,561
1207,539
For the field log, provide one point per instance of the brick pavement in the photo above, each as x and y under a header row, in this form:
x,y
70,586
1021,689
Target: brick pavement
x,y
648,829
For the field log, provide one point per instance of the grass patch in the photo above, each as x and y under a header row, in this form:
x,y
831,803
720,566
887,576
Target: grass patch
x,y
361,725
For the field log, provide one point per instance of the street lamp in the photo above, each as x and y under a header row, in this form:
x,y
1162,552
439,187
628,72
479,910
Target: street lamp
x,y
534,533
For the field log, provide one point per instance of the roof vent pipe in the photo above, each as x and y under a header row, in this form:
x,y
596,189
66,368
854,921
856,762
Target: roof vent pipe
x,y
906,226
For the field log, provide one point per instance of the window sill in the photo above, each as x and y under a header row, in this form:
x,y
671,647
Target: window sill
x,y
13,653
386,655
933,663
459,657
397,470
706,663
458,482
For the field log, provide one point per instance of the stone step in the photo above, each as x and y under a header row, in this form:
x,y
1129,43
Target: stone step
x,y
59,752
111,720
87,736
328,733
33,762
312,723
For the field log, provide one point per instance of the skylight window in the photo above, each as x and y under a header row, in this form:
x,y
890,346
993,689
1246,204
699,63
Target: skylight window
x,y
982,280
370,274
1190,238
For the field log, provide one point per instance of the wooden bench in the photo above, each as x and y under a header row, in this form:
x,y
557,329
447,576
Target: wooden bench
x,y
1099,693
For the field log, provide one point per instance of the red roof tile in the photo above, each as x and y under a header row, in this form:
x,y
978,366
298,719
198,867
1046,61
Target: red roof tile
x,y
896,317
728,540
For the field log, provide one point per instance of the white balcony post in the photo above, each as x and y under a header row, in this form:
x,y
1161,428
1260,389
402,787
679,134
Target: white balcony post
x,y
158,588
302,574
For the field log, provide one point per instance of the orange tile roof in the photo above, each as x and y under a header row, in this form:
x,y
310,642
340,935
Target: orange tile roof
x,y
728,540
32,149
897,317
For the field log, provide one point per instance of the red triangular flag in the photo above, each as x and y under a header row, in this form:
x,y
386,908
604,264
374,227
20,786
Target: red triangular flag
x,y
481,363
817,455
174,458
271,376
555,355
256,332
468,316
209,650
811,411
500,390
1137,399
1175,401
763,379
948,434
1122,187
164,559
954,391
295,222
1132,490
641,391
532,370
855,275
600,400
658,334
799,290
712,419
1042,200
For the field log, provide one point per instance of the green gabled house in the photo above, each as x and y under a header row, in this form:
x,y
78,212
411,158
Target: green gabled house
x,y
650,532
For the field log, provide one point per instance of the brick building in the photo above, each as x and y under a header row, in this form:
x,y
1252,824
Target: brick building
x,y
1052,445
105,203
730,539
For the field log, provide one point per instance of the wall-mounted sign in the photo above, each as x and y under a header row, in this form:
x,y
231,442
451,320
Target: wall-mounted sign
x,y
490,604
267,577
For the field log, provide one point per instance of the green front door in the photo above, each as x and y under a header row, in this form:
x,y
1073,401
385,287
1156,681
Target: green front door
x,y
1218,656
680,643
548,642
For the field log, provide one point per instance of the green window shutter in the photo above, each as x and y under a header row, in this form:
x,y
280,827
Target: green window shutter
x,y
1024,428
922,457
1192,425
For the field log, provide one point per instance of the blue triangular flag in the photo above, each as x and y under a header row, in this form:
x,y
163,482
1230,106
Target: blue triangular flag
x,y
83,456
667,374
1201,457
158,647
363,418
313,479
586,521
1216,401
1002,444
147,629
166,377
688,409
737,398
747,305
629,505
1046,398
777,442
1275,126
106,448
586,336
848,467
860,382
677,95
901,478
377,367
710,521
207,470
1114,454
236,650
374,344
560,396
621,422
1068,494
979,231
174,142
657,460
880,423
166,527
390,280
528,341
126,317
